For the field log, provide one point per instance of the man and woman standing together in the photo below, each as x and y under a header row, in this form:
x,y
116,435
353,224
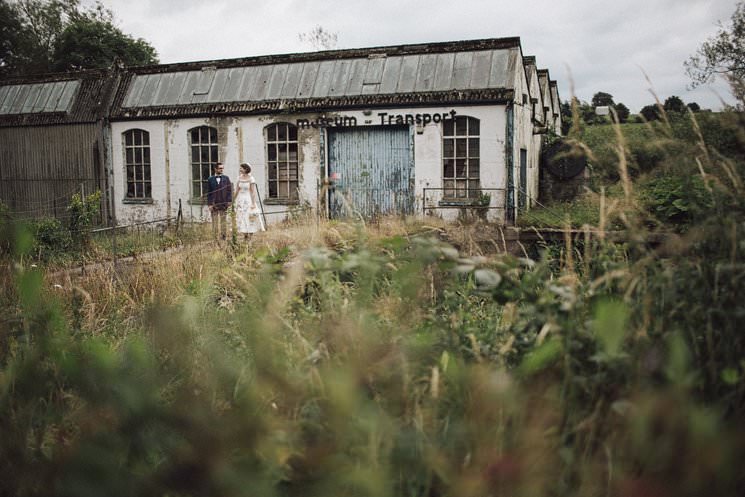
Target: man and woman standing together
x,y
220,196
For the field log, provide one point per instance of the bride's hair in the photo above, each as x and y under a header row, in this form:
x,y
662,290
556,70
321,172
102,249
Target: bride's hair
x,y
245,168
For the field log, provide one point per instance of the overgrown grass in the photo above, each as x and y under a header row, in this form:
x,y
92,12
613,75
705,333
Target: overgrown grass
x,y
347,359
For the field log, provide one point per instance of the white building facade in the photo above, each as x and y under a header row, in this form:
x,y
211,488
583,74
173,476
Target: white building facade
x,y
434,129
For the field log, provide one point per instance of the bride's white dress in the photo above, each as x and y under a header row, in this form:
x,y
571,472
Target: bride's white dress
x,y
247,220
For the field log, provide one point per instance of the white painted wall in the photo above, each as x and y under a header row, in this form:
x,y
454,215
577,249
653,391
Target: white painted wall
x,y
242,140
523,136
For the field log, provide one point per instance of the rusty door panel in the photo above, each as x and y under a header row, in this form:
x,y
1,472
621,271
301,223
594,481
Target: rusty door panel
x,y
371,171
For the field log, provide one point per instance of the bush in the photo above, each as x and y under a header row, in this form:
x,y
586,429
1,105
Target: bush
x,y
676,200
51,236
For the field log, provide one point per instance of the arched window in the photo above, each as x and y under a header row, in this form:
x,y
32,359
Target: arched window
x,y
203,144
137,163
460,157
282,161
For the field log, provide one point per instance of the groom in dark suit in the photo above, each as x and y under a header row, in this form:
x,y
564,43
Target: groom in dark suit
x,y
219,198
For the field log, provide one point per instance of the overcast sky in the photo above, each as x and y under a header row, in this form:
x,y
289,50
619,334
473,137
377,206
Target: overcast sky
x,y
600,45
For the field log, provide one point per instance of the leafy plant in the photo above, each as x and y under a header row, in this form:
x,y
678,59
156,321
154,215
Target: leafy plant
x,y
82,212
676,200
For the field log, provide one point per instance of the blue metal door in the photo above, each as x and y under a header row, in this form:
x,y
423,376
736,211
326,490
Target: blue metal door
x,y
370,170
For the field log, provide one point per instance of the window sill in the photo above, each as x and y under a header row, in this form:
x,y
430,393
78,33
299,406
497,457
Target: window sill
x,y
197,201
138,201
280,201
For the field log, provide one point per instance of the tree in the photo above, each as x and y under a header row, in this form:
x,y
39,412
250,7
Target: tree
x,y
674,104
319,39
694,107
602,99
622,112
11,32
89,43
41,23
44,35
650,112
722,54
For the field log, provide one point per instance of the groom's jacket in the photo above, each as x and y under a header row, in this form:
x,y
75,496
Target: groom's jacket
x,y
219,194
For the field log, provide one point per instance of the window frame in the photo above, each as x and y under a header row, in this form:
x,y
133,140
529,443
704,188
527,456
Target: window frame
x,y
282,171
198,186
137,161
461,155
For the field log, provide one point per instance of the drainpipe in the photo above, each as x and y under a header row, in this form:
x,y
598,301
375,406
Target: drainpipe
x,y
510,161
114,77
167,154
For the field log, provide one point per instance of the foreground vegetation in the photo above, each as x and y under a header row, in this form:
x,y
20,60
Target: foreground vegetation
x,y
390,359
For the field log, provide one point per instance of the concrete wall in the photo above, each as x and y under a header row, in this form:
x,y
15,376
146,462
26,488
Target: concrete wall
x,y
241,139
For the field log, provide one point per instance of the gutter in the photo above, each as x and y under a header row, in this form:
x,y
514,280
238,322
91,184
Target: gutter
x,y
510,162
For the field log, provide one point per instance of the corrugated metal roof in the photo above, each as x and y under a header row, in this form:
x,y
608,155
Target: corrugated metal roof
x,y
56,96
65,98
374,74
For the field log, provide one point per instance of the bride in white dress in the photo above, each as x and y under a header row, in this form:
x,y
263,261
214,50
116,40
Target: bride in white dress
x,y
247,213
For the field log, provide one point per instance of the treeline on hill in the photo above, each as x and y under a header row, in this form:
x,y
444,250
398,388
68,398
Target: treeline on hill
x,y
589,113
353,360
